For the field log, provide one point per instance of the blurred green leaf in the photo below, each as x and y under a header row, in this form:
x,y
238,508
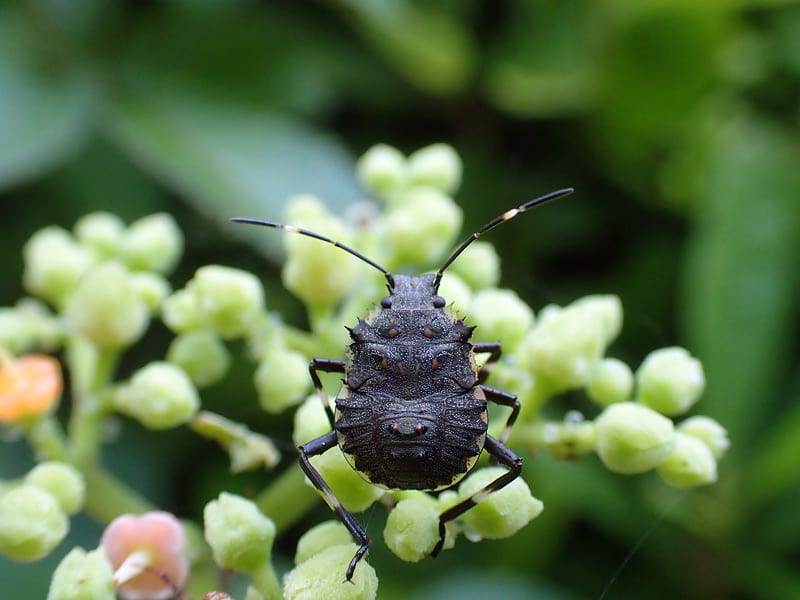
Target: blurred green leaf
x,y
742,274
47,110
429,47
773,471
542,64
230,160
211,127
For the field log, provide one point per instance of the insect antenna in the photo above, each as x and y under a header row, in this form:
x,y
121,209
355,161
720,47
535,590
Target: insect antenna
x,y
506,216
318,236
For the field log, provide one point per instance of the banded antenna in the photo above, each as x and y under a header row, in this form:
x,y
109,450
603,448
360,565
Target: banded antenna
x,y
506,216
318,236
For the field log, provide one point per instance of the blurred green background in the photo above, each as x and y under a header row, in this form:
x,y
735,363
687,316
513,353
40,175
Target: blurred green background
x,y
675,120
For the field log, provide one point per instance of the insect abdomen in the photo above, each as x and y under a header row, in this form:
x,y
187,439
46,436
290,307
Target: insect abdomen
x,y
424,444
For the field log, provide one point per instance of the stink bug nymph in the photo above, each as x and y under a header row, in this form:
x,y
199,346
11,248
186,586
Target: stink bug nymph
x,y
412,411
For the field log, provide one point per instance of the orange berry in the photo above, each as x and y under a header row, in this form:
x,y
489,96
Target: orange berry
x,y
29,386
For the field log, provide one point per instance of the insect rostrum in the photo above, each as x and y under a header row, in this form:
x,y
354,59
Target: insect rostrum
x,y
412,411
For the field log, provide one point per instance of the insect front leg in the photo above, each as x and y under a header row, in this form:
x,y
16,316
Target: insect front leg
x,y
314,448
505,457
494,349
326,365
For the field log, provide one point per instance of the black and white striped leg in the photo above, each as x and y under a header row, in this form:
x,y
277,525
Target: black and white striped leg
x,y
494,349
314,448
505,399
326,365
505,457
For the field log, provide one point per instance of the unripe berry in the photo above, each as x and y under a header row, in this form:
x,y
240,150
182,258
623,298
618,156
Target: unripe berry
x,y
611,381
240,536
632,438
670,381
32,523
159,395
62,481
438,166
690,464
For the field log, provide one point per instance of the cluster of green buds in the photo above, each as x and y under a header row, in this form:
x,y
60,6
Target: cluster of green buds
x,y
95,290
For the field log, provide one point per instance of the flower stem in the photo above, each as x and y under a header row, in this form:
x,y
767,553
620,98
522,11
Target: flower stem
x,y
287,498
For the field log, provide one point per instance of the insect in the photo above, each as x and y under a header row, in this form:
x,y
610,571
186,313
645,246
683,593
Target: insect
x,y
412,413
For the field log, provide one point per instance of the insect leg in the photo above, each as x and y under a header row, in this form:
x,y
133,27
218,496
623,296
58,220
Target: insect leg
x,y
314,448
504,456
494,350
326,365
506,399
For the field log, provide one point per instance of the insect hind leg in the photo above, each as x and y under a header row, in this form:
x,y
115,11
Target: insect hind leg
x,y
314,448
504,456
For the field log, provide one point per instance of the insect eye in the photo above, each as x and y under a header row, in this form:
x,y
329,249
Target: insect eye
x,y
386,302
438,302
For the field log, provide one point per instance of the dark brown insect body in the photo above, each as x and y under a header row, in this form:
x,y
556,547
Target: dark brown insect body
x,y
412,412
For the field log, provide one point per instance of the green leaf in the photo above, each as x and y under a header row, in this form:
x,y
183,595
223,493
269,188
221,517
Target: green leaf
x,y
429,47
47,111
205,122
231,160
743,274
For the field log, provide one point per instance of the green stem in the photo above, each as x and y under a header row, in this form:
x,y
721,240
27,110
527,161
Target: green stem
x,y
47,439
92,369
266,582
287,499
108,498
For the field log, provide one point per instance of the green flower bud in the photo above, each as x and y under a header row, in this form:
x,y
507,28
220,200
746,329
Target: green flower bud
x,y
322,576
64,482
106,309
412,529
632,438
82,575
159,395
240,536
320,537
179,311
349,486
382,170
32,523
310,421
152,288
456,293
100,232
300,208
54,262
571,438
566,343
478,266
318,273
17,331
438,166
202,355
500,315
247,450
690,464
281,379
228,300
502,513
608,309
421,226
708,431
670,381
153,243
611,381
